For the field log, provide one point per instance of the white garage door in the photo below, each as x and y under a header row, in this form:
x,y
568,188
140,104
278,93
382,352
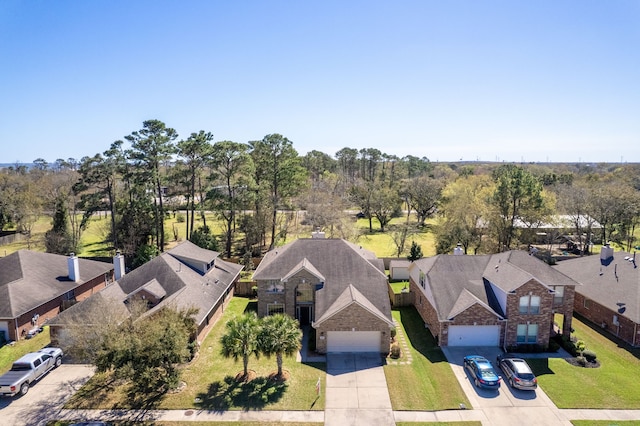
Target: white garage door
x,y
353,341
474,335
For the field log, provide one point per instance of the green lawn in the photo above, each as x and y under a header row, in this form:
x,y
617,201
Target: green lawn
x,y
428,383
210,383
8,354
614,385
382,244
399,286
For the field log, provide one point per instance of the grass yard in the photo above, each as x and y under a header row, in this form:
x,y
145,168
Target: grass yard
x,y
210,383
398,286
8,354
382,244
614,385
427,383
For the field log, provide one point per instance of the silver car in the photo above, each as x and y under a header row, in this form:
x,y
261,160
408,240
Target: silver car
x,y
517,373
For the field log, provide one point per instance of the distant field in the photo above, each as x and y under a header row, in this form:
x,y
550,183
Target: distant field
x,y
93,238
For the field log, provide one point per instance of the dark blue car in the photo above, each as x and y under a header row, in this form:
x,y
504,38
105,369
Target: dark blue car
x,y
482,372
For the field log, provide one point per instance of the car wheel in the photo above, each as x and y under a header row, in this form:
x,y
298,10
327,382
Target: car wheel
x,y
24,388
477,383
58,361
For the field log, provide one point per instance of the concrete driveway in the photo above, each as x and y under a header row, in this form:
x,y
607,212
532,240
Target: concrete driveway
x,y
356,391
45,398
506,406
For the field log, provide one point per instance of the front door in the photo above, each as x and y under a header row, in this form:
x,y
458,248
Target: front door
x,y
304,314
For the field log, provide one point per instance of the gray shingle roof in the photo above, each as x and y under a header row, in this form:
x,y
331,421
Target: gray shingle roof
x,y
29,279
450,277
340,262
179,284
509,270
608,283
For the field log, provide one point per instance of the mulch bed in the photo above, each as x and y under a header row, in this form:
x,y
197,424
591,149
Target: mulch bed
x,y
575,363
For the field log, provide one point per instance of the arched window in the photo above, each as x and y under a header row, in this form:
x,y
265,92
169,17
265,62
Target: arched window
x,y
304,293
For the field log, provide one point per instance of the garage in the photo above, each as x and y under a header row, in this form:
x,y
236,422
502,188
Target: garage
x,y
353,341
474,335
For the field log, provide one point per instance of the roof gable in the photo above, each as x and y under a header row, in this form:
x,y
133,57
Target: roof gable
x,y
351,296
307,266
465,301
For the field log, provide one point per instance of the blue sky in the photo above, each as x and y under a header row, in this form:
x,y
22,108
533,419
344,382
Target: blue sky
x,y
449,80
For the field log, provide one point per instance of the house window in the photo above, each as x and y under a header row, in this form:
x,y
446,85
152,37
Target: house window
x,y
275,286
527,333
530,304
558,296
275,308
304,293
587,303
422,279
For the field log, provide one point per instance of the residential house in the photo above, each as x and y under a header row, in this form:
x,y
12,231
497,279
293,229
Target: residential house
x,y
335,286
507,299
186,276
35,287
609,294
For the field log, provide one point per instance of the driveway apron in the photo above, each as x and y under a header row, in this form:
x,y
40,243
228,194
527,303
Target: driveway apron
x,y
356,391
506,406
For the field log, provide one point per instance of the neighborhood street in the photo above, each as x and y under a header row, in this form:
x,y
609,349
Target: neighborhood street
x,y
355,394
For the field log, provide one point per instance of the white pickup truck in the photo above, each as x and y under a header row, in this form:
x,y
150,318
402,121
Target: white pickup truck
x,y
28,369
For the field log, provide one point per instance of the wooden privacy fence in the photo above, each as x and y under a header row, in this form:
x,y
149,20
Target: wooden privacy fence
x,y
399,299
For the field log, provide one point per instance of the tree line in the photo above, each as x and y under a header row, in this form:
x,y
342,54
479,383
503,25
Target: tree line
x,y
485,207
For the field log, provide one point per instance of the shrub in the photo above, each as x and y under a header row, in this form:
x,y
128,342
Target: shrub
x,y
553,346
395,351
581,360
589,355
180,218
393,333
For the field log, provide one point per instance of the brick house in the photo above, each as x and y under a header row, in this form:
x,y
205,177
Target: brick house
x,y
609,293
334,286
507,299
186,276
35,287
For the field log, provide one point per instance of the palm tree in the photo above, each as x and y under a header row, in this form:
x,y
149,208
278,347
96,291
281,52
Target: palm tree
x,y
241,339
280,335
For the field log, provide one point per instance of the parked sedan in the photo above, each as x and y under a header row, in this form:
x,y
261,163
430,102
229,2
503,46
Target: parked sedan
x,y
482,372
517,372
